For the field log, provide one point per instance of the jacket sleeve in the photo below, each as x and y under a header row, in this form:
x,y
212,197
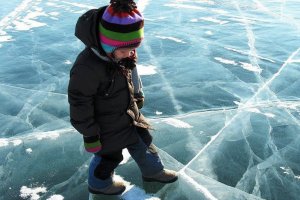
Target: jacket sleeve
x,y
137,82
82,89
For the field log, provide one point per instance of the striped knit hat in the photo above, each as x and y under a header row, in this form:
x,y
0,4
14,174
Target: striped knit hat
x,y
120,29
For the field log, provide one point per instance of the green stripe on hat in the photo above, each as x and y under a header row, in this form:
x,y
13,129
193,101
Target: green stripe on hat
x,y
92,145
122,36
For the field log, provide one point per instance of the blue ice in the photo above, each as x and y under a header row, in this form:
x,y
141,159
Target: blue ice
x,y
221,80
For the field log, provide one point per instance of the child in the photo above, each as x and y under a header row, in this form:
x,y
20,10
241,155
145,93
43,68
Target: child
x,y
103,100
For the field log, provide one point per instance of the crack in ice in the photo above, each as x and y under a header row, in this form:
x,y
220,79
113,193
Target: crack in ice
x,y
265,85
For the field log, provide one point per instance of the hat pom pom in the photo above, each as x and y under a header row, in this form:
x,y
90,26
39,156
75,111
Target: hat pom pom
x,y
123,5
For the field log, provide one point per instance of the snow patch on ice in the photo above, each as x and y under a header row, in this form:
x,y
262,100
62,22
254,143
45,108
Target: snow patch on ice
x,y
17,142
173,5
51,135
79,5
244,65
68,62
5,21
270,115
249,53
3,142
32,193
295,61
219,11
54,13
237,102
28,22
225,61
29,150
171,38
214,20
250,67
158,113
56,197
54,5
146,70
209,2
208,32
17,21
177,123
5,38
290,106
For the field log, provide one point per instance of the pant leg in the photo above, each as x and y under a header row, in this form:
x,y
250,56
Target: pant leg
x,y
145,135
147,138
101,169
148,160
108,164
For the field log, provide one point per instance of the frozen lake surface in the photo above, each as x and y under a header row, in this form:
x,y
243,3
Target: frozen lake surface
x,y
221,80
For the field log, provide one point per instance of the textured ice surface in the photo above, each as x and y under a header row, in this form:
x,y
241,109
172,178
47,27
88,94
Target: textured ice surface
x,y
221,80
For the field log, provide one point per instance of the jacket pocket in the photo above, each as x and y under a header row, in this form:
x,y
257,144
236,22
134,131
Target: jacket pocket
x,y
106,88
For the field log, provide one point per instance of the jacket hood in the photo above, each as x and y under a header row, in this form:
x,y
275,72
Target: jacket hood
x,y
87,29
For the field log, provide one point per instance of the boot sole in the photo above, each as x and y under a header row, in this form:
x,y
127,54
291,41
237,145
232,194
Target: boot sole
x,y
91,190
155,180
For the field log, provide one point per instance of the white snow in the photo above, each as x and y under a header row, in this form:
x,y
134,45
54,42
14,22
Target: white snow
x,y
146,70
177,123
225,61
54,13
44,135
79,5
214,20
29,150
171,38
56,197
158,113
67,62
208,32
5,38
32,193
3,142
173,5
250,67
29,22
17,142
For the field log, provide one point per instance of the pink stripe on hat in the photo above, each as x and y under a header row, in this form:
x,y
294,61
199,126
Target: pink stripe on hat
x,y
94,150
117,43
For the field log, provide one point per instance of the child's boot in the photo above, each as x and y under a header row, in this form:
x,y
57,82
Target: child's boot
x,y
115,188
164,176
103,186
